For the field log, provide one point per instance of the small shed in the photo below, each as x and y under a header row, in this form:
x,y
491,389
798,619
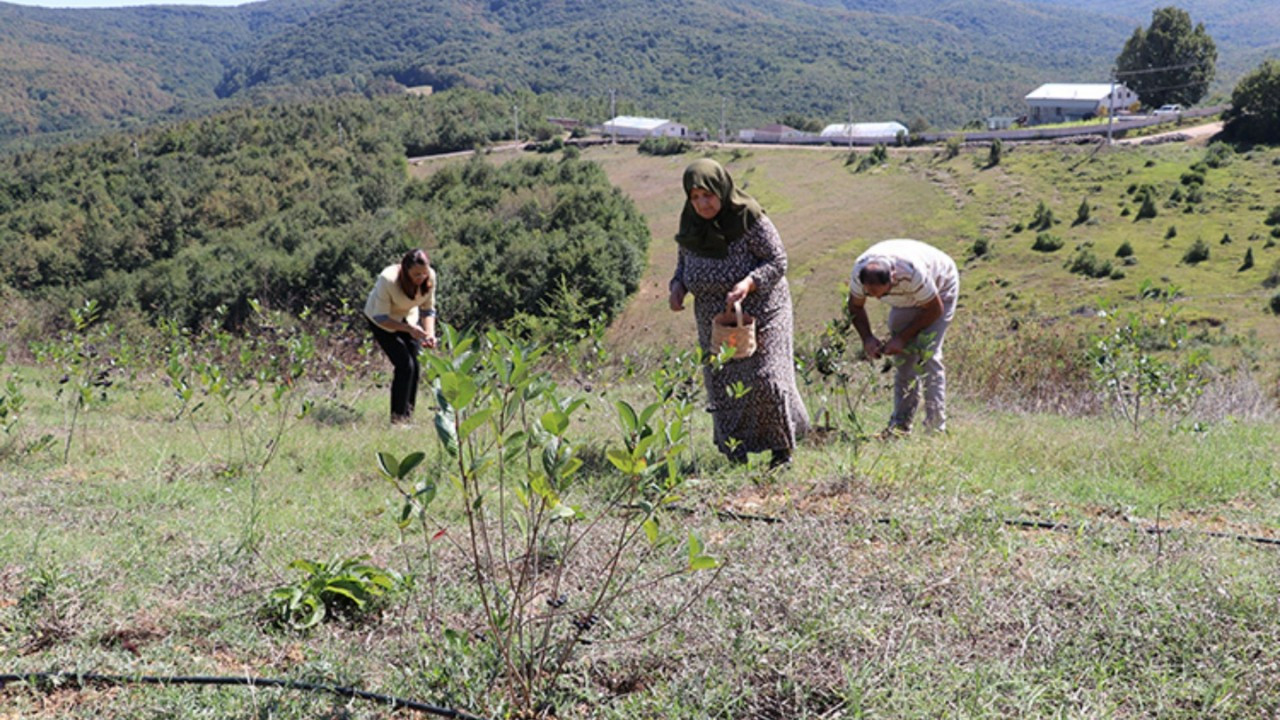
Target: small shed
x,y
1071,102
882,131
627,126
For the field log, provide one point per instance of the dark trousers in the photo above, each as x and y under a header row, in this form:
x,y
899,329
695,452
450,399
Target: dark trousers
x,y
402,350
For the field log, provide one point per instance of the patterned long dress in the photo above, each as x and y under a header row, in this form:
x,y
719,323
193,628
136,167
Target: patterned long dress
x,y
771,415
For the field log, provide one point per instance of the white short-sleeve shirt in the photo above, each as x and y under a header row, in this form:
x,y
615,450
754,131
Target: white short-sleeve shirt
x,y
920,272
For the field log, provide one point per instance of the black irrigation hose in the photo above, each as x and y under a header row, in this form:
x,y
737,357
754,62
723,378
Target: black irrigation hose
x,y
1148,529
83,679
1027,524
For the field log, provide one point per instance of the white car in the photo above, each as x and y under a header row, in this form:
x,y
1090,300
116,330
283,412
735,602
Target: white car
x,y
1174,109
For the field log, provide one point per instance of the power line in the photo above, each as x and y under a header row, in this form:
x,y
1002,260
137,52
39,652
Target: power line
x,y
1147,71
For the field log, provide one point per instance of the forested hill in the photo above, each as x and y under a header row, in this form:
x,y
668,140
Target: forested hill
x,y
766,58
63,70
947,63
1246,31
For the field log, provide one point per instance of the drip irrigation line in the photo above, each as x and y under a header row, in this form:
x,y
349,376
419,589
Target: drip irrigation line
x,y
1014,522
1148,529
45,679
720,514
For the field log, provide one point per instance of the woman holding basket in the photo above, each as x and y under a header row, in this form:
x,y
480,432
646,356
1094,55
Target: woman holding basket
x,y
730,255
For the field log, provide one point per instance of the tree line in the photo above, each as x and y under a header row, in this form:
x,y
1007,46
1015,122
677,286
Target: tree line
x,y
298,206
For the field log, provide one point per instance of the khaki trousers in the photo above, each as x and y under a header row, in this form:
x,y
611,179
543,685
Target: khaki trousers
x,y
924,354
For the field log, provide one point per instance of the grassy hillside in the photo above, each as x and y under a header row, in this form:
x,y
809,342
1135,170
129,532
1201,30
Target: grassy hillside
x,y
1029,565
828,214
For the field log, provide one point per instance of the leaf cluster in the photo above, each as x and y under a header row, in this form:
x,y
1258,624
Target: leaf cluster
x,y
339,588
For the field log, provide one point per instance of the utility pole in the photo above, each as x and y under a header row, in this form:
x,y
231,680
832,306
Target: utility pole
x,y
613,114
722,128
1111,107
849,129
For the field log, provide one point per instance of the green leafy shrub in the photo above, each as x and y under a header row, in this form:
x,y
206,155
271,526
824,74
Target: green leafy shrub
x,y
1084,262
1047,242
951,148
879,155
1273,217
342,588
1171,233
1192,178
996,153
1197,253
1219,154
1273,276
1275,304
1146,196
1043,218
1125,250
1140,382
507,234
1248,260
981,247
1083,212
664,146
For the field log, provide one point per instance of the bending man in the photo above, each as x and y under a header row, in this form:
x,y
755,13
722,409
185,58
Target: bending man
x,y
920,283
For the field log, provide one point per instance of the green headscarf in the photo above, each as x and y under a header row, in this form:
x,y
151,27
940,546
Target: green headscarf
x,y
738,211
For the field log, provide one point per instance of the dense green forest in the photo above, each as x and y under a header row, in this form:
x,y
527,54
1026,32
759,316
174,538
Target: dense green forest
x,y
298,206
681,58
62,70
68,71
1245,30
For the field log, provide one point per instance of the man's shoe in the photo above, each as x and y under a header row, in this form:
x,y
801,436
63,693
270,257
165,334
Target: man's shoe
x,y
893,432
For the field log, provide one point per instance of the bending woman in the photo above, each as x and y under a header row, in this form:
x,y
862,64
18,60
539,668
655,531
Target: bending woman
x,y
731,252
401,311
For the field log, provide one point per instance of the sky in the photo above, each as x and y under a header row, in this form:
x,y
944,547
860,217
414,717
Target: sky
x,y
120,3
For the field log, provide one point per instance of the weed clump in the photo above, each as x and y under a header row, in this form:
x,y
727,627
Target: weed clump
x,y
1197,253
664,146
1043,218
1047,242
1085,263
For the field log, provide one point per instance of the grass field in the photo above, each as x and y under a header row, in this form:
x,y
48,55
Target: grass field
x,y
1045,558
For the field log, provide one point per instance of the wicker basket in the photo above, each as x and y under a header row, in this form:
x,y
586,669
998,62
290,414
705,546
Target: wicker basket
x,y
735,329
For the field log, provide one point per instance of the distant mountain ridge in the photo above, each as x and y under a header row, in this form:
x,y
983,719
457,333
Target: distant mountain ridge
x,y
63,70
755,61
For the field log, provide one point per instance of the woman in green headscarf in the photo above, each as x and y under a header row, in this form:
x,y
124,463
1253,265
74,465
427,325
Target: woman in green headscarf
x,y
730,252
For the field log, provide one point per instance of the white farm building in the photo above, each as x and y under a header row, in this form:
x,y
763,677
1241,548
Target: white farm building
x,y
884,131
627,126
1067,102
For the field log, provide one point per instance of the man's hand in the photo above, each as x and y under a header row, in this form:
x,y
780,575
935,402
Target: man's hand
x,y
895,346
872,347
676,299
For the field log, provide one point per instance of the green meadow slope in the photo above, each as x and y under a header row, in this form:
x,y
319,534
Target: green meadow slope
x,y
828,214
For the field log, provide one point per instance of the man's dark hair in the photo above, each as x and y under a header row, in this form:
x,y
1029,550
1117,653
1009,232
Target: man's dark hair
x,y
873,275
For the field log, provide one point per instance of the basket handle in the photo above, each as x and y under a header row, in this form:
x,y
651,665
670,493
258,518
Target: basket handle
x,y
737,309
